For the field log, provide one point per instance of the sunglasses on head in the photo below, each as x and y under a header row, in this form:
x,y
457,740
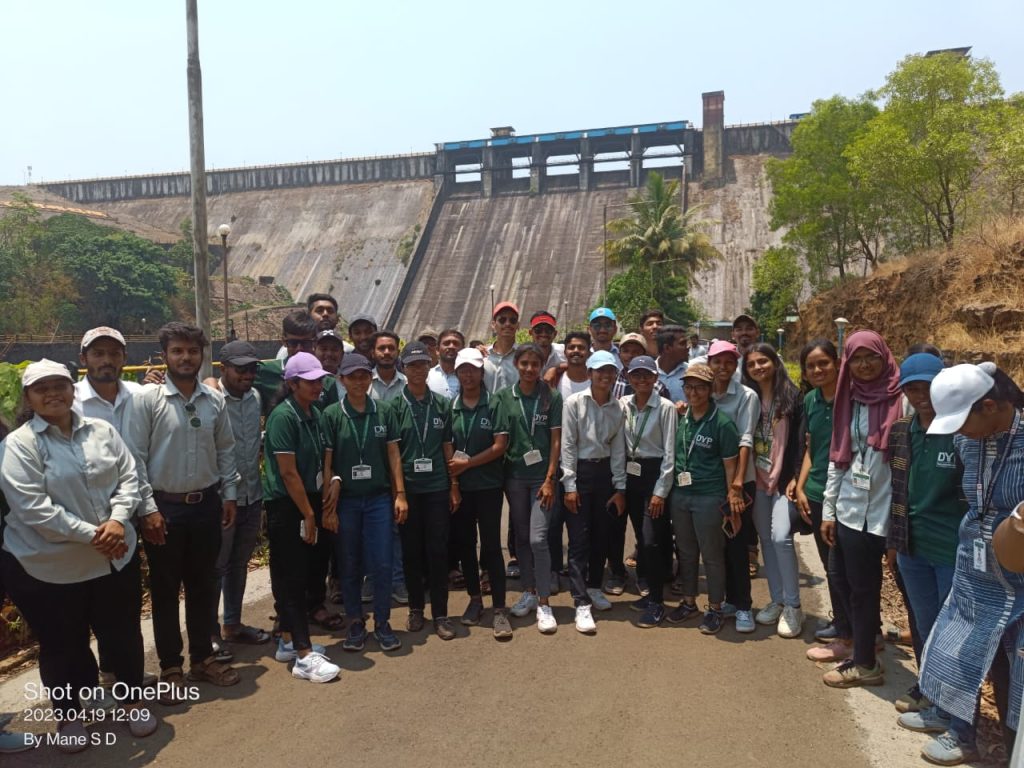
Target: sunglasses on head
x,y
190,409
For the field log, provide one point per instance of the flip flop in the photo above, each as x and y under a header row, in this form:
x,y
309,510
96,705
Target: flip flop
x,y
247,635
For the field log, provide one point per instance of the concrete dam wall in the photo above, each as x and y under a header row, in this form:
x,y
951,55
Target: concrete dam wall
x,y
338,239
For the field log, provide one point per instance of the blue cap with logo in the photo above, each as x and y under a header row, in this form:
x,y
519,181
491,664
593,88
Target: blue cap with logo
x,y
601,358
602,312
643,363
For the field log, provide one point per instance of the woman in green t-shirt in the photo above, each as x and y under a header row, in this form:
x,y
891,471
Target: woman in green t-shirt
x,y
293,454
476,468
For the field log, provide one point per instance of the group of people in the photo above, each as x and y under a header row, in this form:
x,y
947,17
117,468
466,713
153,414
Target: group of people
x,y
384,469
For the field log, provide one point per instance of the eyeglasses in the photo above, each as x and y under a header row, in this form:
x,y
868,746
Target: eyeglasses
x,y
694,387
865,360
506,320
306,345
602,324
190,409
250,368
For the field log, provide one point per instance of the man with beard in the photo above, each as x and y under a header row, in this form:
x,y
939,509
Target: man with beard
x,y
362,330
650,323
387,379
329,350
180,434
323,308
745,333
576,377
603,327
673,354
442,378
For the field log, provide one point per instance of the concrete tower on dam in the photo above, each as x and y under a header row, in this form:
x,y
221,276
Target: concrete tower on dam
x,y
424,238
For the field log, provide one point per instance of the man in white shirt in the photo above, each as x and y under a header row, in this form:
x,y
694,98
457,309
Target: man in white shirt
x,y
441,378
102,394
499,363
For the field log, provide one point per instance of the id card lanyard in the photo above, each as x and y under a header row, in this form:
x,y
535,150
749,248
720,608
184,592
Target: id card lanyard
x,y
472,423
531,423
360,441
637,433
421,435
692,442
988,474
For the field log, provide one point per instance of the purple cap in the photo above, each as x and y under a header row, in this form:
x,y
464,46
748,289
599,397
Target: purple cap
x,y
303,365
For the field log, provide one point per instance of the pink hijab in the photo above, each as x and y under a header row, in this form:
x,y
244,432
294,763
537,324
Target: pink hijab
x,y
882,396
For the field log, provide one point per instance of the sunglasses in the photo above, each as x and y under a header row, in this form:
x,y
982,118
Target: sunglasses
x,y
190,409
252,368
305,345
505,320
602,324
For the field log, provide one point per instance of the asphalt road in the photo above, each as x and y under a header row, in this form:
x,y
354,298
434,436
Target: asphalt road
x,y
664,696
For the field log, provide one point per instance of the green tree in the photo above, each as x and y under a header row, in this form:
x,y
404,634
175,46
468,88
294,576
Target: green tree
x,y
777,283
1006,156
661,249
925,152
831,219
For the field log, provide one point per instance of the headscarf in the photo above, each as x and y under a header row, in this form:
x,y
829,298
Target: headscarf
x,y
881,395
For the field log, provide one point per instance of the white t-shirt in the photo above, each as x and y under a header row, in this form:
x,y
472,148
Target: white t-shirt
x,y
567,386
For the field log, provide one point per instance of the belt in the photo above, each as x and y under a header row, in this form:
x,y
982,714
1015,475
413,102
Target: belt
x,y
190,497
594,461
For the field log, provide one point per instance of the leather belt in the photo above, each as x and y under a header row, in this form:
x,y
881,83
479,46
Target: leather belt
x,y
191,497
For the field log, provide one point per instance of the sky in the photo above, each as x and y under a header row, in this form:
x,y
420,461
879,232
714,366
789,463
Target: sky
x,y
98,89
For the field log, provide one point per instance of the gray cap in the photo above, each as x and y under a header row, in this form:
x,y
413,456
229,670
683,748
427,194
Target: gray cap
x,y
362,319
239,353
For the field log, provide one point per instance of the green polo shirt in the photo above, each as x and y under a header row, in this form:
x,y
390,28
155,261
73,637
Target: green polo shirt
x,y
473,432
512,412
270,377
289,430
409,417
359,439
701,445
818,412
933,496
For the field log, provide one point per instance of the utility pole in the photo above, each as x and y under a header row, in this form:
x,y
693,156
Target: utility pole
x,y
197,155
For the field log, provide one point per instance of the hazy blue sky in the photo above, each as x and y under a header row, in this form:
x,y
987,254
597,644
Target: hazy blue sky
x,y
98,88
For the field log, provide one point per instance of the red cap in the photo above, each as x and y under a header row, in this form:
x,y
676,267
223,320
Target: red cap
x,y
543,320
504,305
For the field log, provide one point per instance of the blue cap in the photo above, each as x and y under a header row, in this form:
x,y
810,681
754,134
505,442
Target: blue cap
x,y
643,363
601,358
920,367
602,312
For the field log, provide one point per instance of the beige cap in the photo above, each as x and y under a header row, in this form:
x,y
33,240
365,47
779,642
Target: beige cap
x,y
638,338
700,372
103,332
44,369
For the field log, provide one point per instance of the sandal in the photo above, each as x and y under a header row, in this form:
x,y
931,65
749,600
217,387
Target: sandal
x,y
171,691
247,635
332,622
222,651
212,671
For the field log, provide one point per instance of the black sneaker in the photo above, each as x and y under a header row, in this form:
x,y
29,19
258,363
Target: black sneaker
x,y
641,605
471,616
684,612
355,640
712,622
653,616
444,629
386,638
512,569
414,623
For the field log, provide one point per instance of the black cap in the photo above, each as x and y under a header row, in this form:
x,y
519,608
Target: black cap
x,y
239,353
748,318
330,333
643,363
362,319
414,352
353,362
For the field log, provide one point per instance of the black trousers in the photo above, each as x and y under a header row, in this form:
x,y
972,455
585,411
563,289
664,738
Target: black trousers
x,y
425,550
291,563
187,557
590,528
839,618
858,556
481,509
737,558
61,616
555,547
638,496
318,561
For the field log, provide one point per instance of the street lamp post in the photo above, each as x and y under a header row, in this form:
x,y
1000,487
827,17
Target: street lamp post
x,y
492,297
841,323
781,332
224,230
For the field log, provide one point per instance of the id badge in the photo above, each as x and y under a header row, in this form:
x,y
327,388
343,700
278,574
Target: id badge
x,y
861,480
633,468
319,480
979,555
362,472
423,465
532,457
684,479
764,463
460,456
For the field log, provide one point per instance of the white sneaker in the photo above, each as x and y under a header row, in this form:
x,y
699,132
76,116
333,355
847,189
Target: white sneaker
x,y
598,599
745,622
546,623
791,623
286,652
527,603
584,621
769,614
315,667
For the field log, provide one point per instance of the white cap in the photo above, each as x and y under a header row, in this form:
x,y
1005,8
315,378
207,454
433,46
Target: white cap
x,y
44,369
469,356
103,332
953,392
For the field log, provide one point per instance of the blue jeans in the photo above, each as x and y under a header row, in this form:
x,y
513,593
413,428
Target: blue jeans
x,y
364,543
236,547
927,586
771,518
532,524
397,571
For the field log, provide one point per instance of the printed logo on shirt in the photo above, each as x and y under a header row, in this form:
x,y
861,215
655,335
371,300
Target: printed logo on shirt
x,y
438,422
380,430
946,460
485,423
705,441
541,419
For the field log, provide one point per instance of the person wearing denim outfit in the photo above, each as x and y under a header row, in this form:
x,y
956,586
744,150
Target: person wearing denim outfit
x,y
362,460
707,446
239,363
531,415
